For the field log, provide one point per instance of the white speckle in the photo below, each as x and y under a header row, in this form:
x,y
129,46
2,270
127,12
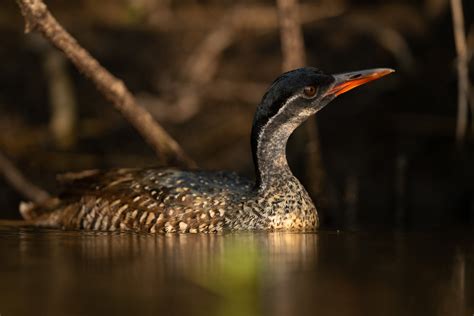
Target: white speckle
x,y
118,213
150,217
115,203
142,218
152,205
135,199
98,221
183,226
144,202
123,208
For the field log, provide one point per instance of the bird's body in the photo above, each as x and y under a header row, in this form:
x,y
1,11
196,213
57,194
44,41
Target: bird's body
x,y
171,200
164,200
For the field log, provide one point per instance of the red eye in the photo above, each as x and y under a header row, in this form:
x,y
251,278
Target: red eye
x,y
310,91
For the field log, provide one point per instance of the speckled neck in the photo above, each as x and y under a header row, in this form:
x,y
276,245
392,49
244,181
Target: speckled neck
x,y
269,146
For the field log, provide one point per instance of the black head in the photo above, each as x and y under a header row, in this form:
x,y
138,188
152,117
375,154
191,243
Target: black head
x,y
304,85
307,90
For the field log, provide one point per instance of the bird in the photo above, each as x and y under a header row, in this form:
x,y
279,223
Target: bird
x,y
171,200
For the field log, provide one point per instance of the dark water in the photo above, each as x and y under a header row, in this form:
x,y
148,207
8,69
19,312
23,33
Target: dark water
x,y
48,272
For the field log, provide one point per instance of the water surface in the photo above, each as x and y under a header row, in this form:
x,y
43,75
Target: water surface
x,y
52,272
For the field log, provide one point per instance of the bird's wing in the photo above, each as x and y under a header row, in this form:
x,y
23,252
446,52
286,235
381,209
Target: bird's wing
x,y
84,182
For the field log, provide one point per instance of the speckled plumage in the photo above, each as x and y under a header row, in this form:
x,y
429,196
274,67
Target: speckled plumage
x,y
170,200
158,200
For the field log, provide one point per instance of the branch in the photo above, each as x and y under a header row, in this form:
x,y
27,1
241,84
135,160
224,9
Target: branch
x,y
290,34
462,66
38,17
18,181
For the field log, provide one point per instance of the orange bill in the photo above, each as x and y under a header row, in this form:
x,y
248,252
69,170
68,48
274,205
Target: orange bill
x,y
350,80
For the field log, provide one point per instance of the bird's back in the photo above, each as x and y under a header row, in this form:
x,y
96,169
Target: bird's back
x,y
146,200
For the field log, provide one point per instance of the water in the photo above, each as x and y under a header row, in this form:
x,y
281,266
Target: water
x,y
51,272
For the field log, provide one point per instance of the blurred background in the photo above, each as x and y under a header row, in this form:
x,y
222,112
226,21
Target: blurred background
x,y
388,149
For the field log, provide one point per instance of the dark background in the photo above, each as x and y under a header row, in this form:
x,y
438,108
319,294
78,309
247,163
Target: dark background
x,y
388,148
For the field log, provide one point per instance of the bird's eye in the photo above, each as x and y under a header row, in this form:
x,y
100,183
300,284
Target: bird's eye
x,y
310,91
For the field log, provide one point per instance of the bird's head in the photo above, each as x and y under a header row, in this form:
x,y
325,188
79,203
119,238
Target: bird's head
x,y
299,93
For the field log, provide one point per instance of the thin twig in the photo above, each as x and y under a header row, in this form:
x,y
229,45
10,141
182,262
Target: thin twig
x,y
18,181
470,52
221,90
387,37
462,67
202,66
293,57
38,17
249,92
200,69
63,121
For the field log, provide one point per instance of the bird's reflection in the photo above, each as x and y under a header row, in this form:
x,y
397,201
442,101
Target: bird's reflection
x,y
229,271
235,274
278,252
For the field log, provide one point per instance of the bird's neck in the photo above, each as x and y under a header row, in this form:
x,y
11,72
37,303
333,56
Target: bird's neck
x,y
269,148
